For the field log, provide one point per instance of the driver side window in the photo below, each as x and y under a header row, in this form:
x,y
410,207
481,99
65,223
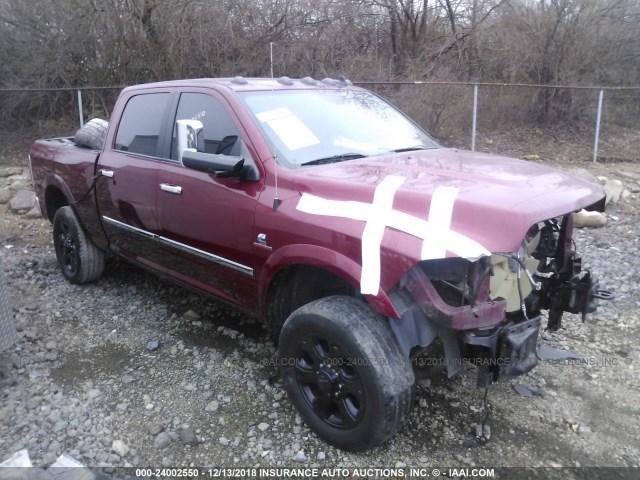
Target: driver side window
x,y
219,135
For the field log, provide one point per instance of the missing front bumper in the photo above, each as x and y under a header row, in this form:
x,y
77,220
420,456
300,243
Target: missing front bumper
x,y
506,351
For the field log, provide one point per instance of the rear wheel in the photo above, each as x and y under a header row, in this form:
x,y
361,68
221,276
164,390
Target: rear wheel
x,y
344,372
79,259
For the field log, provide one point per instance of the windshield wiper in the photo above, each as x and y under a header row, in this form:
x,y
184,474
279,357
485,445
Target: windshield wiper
x,y
410,149
335,158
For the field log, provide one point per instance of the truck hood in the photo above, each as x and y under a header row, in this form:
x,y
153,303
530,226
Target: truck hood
x,y
498,199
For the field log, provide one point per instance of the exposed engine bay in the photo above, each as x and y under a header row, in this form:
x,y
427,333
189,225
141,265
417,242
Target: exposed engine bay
x,y
490,311
546,274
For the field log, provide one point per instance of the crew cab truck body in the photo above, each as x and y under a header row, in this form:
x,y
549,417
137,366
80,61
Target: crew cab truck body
x,y
319,208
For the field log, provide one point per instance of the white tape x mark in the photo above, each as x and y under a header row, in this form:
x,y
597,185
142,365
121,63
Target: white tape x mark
x,y
436,233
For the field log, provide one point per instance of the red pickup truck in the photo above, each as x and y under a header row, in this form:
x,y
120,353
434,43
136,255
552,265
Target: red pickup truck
x,y
321,209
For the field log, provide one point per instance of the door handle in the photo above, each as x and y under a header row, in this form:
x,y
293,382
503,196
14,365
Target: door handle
x,y
165,187
106,173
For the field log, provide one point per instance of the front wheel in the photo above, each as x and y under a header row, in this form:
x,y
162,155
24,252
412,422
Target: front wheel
x,y
79,259
344,372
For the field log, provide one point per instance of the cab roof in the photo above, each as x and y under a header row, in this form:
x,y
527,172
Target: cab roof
x,y
251,84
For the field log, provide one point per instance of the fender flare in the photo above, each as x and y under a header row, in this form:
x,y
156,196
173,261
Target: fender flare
x,y
54,180
330,260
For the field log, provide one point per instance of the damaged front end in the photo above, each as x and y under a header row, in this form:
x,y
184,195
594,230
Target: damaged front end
x,y
488,312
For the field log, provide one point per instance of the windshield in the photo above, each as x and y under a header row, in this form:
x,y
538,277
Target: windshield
x,y
311,127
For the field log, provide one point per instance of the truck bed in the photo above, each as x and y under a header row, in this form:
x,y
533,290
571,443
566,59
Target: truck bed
x,y
55,159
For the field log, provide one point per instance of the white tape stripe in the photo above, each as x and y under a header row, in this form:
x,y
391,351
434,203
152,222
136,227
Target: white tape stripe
x,y
335,208
379,214
436,233
457,243
440,213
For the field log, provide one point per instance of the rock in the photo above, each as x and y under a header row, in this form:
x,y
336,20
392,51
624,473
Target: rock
x,y
33,403
212,406
299,457
155,428
223,441
634,188
33,213
9,171
424,382
126,378
51,345
22,201
321,456
191,315
549,353
527,391
6,412
19,179
188,437
152,345
631,175
93,393
584,175
263,426
162,440
613,189
54,416
119,447
589,219
5,194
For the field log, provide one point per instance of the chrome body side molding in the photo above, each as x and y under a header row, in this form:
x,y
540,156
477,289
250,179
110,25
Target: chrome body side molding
x,y
183,247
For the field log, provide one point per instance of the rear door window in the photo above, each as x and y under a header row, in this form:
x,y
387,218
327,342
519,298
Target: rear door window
x,y
141,124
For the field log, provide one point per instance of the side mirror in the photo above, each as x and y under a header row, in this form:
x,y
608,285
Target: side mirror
x,y
187,136
212,163
221,165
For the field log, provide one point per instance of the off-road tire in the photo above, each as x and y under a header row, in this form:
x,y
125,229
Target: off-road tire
x,y
92,134
79,259
339,344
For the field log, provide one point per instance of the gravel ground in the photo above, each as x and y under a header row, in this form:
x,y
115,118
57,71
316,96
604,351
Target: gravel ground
x,y
83,381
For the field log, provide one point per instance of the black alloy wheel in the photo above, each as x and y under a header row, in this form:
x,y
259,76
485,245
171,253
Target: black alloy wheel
x,y
67,249
79,259
344,372
329,382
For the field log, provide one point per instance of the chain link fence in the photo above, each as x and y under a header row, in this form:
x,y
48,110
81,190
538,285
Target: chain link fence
x,y
564,123
7,320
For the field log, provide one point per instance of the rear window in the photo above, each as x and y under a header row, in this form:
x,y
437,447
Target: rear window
x,y
141,123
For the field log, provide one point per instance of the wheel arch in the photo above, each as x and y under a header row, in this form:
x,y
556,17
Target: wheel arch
x,y
331,269
56,196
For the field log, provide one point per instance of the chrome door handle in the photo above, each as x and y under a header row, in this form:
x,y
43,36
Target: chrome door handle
x,y
165,187
106,173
